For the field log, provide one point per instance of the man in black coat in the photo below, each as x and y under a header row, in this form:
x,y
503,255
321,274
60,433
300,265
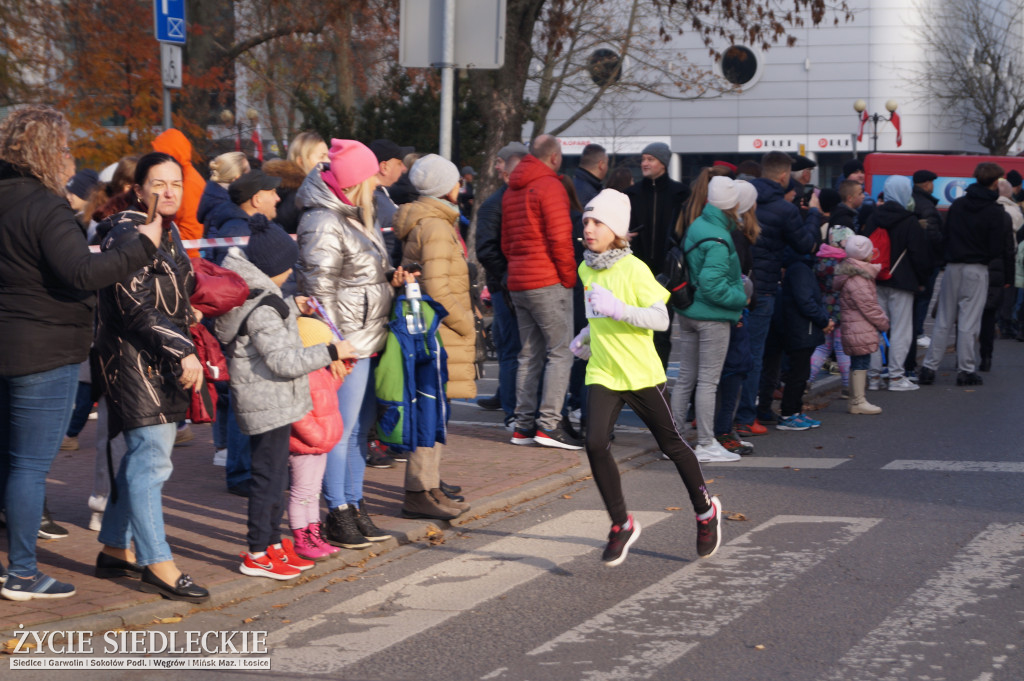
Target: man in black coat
x,y
655,203
974,236
781,226
927,212
590,175
504,329
851,197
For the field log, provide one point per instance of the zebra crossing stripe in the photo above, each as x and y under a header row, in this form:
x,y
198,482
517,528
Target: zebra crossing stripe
x,y
973,588
658,625
955,466
401,609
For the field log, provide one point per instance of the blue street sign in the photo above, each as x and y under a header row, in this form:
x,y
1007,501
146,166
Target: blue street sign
x,y
170,21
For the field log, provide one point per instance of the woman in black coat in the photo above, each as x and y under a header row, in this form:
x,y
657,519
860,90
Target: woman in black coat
x,y
47,280
148,368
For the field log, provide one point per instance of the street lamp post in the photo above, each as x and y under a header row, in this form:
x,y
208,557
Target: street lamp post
x,y
860,106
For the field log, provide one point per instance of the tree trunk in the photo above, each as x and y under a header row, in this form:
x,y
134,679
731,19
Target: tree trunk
x,y
502,90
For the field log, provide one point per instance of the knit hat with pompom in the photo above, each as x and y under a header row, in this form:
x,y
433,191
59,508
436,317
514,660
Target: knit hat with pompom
x,y
270,248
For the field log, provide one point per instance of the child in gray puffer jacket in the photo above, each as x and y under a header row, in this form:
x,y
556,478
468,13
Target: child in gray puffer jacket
x,y
269,386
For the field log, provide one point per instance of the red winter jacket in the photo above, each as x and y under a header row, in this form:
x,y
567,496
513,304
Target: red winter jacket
x,y
536,230
319,430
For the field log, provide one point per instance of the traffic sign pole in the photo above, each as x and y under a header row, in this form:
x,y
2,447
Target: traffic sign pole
x,y
169,27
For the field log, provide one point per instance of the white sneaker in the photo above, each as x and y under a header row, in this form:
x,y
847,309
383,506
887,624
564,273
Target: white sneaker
x,y
220,457
97,504
924,342
714,452
874,384
902,384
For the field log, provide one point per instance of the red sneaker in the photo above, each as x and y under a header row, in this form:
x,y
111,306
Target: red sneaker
x,y
748,429
286,554
265,566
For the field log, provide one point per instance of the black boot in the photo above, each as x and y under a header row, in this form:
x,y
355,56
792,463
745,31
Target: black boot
x,y
340,529
366,526
449,489
986,364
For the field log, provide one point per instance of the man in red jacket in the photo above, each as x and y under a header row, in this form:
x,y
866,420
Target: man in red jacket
x,y
536,238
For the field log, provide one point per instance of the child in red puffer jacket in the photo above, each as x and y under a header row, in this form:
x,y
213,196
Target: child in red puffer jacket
x,y
312,437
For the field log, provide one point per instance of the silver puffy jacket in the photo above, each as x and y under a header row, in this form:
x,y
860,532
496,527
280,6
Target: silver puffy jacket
x,y
343,266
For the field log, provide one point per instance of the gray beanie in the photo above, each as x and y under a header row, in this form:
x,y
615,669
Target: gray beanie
x,y
660,151
434,176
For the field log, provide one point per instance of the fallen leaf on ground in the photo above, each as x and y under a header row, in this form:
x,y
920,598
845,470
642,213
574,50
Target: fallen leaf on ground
x,y
567,496
709,481
735,516
167,620
673,508
759,646
248,620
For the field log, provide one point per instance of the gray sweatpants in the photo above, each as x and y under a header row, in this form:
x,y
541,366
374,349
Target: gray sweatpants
x,y
545,331
961,303
899,306
703,346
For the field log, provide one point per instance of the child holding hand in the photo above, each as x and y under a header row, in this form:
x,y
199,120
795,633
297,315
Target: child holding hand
x,y
269,370
625,305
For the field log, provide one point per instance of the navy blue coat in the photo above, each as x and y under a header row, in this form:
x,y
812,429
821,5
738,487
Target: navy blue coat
x,y
803,309
220,218
781,226
488,241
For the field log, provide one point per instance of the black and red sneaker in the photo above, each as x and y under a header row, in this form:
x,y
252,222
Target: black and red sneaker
x,y
734,444
523,437
556,437
619,540
709,534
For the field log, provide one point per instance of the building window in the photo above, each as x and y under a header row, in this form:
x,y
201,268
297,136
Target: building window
x,y
740,66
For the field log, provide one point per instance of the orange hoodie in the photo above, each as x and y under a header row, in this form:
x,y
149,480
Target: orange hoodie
x,y
173,143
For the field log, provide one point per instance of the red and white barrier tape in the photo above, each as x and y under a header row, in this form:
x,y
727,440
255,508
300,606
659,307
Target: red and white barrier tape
x,y
221,241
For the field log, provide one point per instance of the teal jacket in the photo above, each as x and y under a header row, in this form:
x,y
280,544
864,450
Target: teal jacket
x,y
716,269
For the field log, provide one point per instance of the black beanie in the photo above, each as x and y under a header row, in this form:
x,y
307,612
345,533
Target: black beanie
x,y
270,248
1014,178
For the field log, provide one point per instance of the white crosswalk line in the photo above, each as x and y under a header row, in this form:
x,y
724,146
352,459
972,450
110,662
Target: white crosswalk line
x,y
987,571
658,625
399,610
781,462
955,466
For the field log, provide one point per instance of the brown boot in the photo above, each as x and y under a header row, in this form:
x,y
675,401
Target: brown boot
x,y
423,505
443,499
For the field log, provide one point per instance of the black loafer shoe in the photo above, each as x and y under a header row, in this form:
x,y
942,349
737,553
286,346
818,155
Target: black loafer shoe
x,y
449,489
242,489
108,567
183,590
454,497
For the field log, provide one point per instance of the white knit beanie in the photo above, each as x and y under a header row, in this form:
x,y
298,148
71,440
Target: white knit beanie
x,y
723,193
434,175
748,196
610,207
859,248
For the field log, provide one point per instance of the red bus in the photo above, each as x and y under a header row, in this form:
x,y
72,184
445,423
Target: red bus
x,y
955,172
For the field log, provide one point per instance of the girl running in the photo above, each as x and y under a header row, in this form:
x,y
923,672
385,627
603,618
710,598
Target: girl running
x,y
624,306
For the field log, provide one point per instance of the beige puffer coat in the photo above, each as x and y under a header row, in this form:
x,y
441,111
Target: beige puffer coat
x,y
427,228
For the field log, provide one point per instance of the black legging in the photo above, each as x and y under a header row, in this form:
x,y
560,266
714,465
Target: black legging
x,y
652,406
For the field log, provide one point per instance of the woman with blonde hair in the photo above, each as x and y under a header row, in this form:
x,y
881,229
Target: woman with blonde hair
x,y
307,150
47,279
344,264
218,213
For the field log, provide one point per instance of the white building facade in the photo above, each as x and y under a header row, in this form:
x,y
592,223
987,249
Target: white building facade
x,y
798,99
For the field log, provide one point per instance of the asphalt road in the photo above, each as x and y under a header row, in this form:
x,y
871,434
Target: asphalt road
x,y
887,547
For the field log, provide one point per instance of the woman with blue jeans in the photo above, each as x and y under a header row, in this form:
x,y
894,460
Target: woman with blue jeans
x,y
344,264
47,276
149,366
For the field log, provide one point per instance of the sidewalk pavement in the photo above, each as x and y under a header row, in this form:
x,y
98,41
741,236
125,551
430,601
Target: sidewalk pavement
x,y
206,528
